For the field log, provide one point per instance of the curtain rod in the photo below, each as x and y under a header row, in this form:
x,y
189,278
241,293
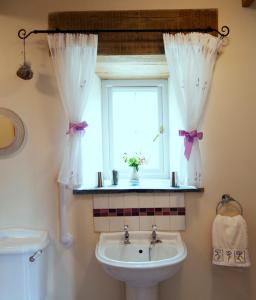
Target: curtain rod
x,y
22,33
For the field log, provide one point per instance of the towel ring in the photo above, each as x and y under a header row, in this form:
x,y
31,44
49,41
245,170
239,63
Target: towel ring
x,y
226,198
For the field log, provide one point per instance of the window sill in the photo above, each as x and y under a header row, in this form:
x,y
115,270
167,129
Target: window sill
x,y
145,186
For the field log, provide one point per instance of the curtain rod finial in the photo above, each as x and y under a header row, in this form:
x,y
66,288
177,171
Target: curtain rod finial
x,y
22,33
225,31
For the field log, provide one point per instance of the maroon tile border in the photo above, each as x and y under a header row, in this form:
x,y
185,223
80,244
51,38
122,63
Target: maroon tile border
x,y
145,211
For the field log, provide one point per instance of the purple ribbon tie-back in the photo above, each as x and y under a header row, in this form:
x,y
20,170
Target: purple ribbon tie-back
x,y
76,127
189,137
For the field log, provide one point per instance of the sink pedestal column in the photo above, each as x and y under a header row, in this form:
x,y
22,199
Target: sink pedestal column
x,y
141,293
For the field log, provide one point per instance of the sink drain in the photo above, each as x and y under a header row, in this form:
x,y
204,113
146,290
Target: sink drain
x,y
140,251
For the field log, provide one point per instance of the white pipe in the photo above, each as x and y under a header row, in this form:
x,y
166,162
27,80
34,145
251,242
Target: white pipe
x,y
66,237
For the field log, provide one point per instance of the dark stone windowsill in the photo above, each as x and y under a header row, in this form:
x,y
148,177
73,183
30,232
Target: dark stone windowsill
x,y
145,186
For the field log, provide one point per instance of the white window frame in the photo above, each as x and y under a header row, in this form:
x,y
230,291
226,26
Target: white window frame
x,y
162,86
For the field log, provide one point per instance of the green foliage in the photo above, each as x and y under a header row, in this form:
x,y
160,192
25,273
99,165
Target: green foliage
x,y
135,160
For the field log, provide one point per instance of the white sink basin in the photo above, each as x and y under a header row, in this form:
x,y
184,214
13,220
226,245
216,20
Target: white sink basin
x,y
139,264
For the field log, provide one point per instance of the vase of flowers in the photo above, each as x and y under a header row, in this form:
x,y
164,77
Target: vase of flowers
x,y
134,161
134,175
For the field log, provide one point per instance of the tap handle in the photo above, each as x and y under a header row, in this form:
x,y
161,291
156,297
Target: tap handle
x,y
154,227
126,227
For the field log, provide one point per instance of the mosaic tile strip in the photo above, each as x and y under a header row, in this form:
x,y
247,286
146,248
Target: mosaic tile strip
x,y
147,211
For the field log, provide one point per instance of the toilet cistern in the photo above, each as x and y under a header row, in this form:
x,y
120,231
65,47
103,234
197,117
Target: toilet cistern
x,y
23,261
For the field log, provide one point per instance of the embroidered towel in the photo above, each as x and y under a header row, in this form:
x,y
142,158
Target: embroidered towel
x,y
230,241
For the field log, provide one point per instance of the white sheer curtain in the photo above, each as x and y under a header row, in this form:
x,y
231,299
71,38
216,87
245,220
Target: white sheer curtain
x,y
74,60
191,59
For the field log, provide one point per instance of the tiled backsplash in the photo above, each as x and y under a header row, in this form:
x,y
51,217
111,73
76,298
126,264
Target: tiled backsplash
x,y
139,211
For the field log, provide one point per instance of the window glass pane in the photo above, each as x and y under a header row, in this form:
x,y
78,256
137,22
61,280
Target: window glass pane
x,y
135,123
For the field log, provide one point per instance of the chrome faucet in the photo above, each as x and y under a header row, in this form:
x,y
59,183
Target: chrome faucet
x,y
126,235
154,239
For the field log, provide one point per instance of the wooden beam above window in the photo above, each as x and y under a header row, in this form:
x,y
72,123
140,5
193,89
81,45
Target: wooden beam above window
x,y
133,43
247,3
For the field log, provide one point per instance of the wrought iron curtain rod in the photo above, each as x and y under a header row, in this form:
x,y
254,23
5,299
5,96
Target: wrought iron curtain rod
x,y
22,33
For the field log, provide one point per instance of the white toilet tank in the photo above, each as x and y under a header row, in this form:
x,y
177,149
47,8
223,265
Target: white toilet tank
x,y
23,264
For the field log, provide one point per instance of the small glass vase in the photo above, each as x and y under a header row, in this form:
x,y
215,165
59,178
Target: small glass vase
x,y
134,176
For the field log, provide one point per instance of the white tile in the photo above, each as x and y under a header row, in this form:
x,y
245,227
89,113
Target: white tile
x,y
101,201
162,222
177,200
162,200
116,223
173,200
131,201
146,222
133,223
101,224
146,200
116,200
180,200
177,223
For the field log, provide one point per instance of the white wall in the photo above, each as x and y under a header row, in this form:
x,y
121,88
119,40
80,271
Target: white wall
x,y
28,190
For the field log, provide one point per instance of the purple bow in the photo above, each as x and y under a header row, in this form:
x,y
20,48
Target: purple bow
x,y
75,127
189,140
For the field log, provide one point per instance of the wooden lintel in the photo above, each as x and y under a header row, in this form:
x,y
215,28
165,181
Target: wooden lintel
x,y
247,3
138,43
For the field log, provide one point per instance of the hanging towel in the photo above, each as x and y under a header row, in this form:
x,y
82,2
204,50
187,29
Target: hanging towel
x,y
230,241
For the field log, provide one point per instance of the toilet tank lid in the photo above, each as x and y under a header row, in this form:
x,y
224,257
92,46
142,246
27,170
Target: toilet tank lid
x,y
19,240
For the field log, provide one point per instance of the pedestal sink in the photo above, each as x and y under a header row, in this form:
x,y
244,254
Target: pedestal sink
x,y
139,264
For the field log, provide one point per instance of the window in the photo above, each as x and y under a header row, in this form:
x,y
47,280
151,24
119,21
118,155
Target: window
x,y
135,120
